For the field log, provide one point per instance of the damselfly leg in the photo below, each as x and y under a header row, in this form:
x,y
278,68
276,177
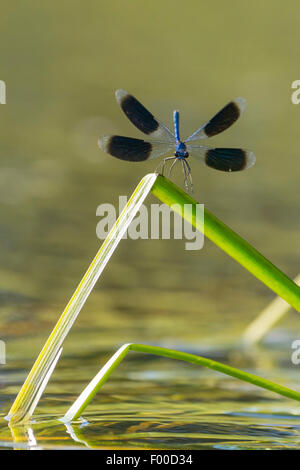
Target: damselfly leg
x,y
188,182
172,166
189,175
163,164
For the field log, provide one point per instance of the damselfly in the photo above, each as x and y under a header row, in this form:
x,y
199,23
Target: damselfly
x,y
161,140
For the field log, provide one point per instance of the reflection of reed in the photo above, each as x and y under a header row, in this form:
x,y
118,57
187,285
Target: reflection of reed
x,y
23,437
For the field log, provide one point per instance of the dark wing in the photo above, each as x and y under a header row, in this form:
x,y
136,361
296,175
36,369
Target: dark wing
x,y
223,159
133,150
221,121
142,118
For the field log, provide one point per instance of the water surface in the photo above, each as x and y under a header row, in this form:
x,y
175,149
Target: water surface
x,y
61,66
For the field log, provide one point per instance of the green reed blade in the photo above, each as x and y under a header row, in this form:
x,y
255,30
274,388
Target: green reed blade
x,y
214,229
229,241
96,383
23,406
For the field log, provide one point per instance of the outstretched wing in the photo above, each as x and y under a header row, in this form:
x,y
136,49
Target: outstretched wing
x,y
142,118
221,121
133,150
223,159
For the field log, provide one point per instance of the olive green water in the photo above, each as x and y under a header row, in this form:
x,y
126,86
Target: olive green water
x,y
61,63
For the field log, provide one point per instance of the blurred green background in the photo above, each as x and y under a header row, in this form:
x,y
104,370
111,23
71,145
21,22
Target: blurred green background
x,y
62,62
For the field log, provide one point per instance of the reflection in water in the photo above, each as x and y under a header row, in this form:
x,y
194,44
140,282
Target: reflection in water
x,y
23,437
158,403
75,436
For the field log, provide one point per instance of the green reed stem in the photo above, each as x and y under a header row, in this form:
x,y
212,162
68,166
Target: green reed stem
x,y
229,241
27,398
96,383
214,229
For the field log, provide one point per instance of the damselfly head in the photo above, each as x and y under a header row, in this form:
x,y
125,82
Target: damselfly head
x,y
181,151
